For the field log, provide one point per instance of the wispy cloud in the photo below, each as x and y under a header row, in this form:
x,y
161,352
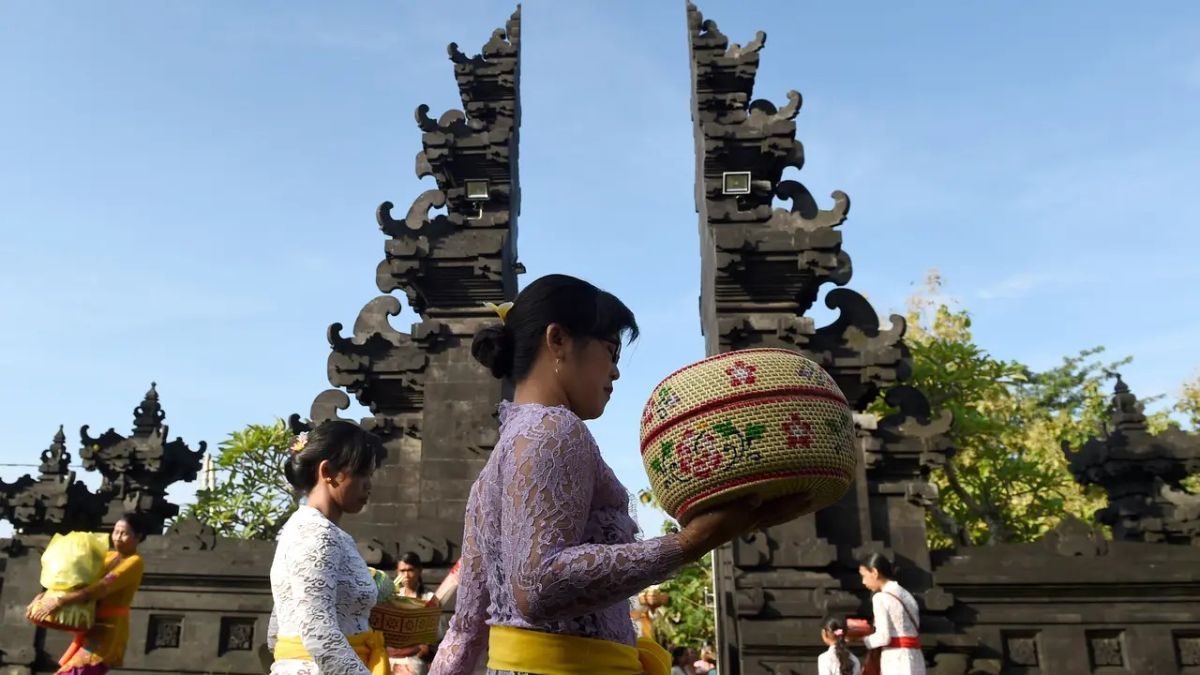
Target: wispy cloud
x,y
1015,286
1026,283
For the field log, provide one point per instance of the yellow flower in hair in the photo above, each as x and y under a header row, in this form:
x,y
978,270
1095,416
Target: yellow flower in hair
x,y
501,310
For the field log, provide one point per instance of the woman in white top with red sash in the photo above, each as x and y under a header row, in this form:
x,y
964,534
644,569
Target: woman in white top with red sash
x,y
895,644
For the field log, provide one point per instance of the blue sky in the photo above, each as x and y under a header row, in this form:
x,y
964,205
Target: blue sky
x,y
187,188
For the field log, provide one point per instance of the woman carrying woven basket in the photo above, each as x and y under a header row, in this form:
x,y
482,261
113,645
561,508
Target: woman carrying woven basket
x,y
102,647
895,648
550,555
322,587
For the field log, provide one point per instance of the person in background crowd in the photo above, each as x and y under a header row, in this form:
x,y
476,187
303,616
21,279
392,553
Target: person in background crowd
x,y
102,647
837,660
682,659
411,660
895,642
707,665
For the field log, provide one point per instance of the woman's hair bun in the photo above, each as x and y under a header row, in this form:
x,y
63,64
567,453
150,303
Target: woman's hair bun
x,y
292,474
493,347
346,446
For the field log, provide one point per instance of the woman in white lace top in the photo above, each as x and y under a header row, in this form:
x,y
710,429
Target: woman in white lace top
x,y
323,589
897,620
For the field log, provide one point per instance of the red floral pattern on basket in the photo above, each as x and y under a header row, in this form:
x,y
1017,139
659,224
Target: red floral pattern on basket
x,y
699,453
703,450
798,432
741,373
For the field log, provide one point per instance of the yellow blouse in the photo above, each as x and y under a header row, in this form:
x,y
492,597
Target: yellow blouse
x,y
105,641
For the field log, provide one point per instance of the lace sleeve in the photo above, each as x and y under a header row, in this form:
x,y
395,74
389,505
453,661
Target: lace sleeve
x,y
315,560
466,638
272,630
546,505
883,624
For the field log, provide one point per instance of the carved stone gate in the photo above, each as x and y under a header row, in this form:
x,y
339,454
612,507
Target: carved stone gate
x,y
1071,603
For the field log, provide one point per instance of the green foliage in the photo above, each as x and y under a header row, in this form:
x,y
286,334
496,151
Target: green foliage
x,y
689,620
1188,405
1188,408
1009,480
252,499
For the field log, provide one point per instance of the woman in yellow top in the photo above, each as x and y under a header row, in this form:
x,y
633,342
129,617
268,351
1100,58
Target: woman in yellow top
x,y
102,647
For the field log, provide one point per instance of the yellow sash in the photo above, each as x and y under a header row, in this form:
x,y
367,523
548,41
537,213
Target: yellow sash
x,y
528,651
369,647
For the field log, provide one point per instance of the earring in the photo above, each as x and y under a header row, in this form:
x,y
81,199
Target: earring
x,y
557,363
330,482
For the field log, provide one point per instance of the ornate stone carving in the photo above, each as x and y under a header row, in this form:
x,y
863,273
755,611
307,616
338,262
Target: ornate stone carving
x,y
190,534
237,634
139,468
1105,648
381,366
165,632
1021,649
54,502
862,357
1187,649
448,264
909,443
763,269
1142,474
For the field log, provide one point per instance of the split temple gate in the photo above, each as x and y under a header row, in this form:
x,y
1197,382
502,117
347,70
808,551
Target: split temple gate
x,y
1073,602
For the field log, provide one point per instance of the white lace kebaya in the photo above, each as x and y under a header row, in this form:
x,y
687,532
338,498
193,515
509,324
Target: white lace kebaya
x,y
323,592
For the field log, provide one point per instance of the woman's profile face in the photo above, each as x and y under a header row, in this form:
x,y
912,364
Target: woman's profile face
x,y
588,373
871,579
348,490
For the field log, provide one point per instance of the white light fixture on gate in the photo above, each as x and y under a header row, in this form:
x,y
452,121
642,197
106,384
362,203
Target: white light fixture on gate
x,y
478,192
735,183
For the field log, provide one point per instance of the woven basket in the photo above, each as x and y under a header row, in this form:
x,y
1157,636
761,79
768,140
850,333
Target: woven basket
x,y
406,622
759,421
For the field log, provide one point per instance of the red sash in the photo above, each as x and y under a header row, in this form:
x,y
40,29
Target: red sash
x,y
111,612
904,643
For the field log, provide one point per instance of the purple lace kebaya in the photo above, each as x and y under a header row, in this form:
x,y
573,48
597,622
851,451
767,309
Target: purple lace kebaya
x,y
549,544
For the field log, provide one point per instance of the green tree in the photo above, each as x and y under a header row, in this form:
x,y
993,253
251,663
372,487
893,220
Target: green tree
x,y
1008,481
1188,405
689,619
252,499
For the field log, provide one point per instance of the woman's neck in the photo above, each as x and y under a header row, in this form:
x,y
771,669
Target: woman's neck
x,y
540,389
326,506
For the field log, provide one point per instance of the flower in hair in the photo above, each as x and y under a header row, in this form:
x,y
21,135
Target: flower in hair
x,y
839,633
300,442
501,310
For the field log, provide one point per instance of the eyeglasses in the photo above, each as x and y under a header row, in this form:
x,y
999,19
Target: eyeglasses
x,y
616,352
